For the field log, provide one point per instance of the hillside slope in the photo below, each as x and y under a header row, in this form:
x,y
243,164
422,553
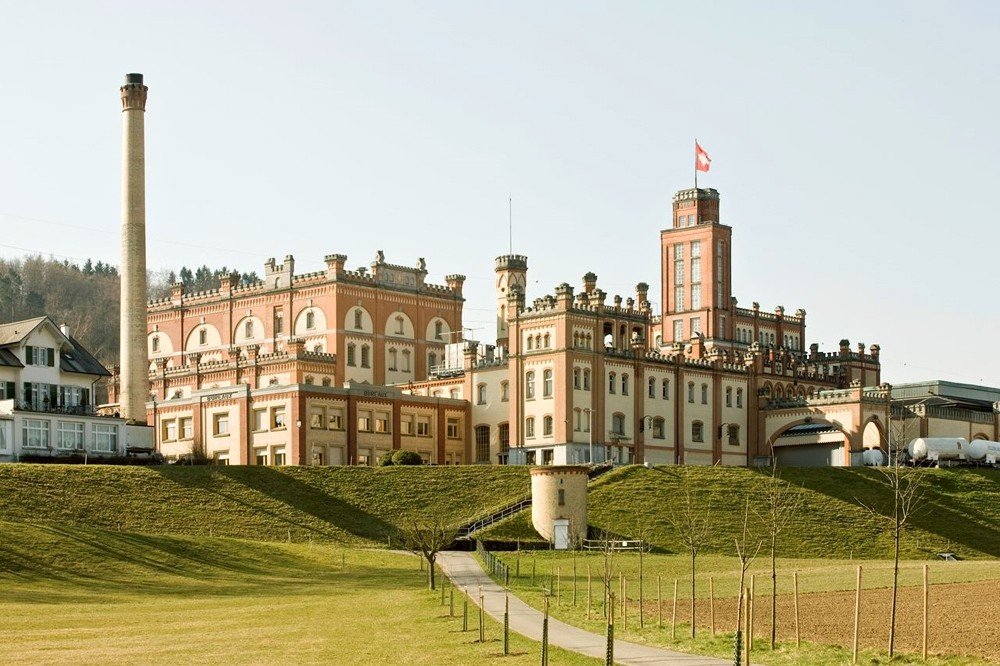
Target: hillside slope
x,y
352,505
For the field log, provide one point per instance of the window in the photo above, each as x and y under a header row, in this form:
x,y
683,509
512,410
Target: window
x,y
438,329
35,433
451,428
586,379
359,321
316,420
531,343
690,391
399,325
679,298
334,419
704,394
279,457
652,387
547,384
576,419
364,421
71,435
392,359
310,320
365,361
739,397
695,271
504,392
697,432
432,360
482,443
382,422
625,384
503,432
618,424
695,327
277,418
406,360
350,354
423,426
187,427
547,457
155,343
105,438
547,426
259,420
40,356
546,341
666,389
481,394
220,424
248,330
453,394
562,497
260,456
658,428
611,382
529,386
678,329
202,337
729,396
576,378
590,417
169,430
529,426
733,432
406,425
696,297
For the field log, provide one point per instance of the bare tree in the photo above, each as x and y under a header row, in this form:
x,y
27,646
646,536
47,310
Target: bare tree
x,y
691,520
748,544
427,535
781,501
906,486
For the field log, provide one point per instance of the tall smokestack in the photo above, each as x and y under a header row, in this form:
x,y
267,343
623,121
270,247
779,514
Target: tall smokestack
x,y
134,361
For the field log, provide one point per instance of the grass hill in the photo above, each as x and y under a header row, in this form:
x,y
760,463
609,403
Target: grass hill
x,y
350,505
960,511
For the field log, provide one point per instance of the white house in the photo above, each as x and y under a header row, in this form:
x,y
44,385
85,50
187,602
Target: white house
x,y
47,382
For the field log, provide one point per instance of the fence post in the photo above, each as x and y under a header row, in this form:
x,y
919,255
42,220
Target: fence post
x,y
923,650
465,609
750,606
795,594
482,628
857,618
673,615
711,597
545,632
451,600
609,648
659,603
506,622
589,593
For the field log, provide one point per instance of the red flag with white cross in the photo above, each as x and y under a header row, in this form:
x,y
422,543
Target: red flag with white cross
x,y
702,161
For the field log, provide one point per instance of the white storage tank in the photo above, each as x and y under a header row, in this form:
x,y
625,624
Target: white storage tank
x,y
941,448
873,457
981,449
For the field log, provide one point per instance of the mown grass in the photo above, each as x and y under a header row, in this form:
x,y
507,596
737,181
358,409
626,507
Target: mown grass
x,y
960,510
350,505
89,596
543,572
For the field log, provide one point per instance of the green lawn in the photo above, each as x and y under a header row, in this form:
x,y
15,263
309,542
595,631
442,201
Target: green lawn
x,y
348,505
88,596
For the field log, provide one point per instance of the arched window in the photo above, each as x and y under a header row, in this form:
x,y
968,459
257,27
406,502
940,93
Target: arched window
x,y
658,428
739,397
697,432
586,379
576,419
202,336
350,354
547,426
734,434
406,360
529,426
482,443
618,424
625,384
432,361
538,341
729,396
365,360
438,329
318,349
248,330
652,387
399,325
359,321
393,357
326,381
704,394
531,343
666,389
529,385
690,391
611,382
481,394
546,341
309,379
504,391
310,320
547,384
156,343
453,394
576,378
576,339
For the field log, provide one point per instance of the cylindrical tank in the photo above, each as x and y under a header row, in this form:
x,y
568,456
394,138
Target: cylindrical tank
x,y
980,448
559,499
947,448
873,457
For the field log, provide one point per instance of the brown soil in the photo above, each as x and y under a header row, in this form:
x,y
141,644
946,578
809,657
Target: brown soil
x,y
963,618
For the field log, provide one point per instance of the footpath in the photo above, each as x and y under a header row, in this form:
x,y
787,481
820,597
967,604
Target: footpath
x,y
464,571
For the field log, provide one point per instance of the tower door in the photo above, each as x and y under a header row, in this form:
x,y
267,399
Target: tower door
x,y
560,534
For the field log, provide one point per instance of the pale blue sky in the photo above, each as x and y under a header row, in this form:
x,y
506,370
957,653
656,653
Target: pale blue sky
x,y
854,145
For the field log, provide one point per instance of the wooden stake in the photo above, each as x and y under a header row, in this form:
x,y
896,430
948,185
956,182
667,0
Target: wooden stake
x,y
924,646
857,618
624,604
795,595
558,587
659,603
589,592
673,615
711,602
746,626
750,607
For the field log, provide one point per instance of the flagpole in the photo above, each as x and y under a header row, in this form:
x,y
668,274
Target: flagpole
x,y
696,164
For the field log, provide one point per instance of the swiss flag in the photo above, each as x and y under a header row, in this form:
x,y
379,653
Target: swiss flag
x,y
702,161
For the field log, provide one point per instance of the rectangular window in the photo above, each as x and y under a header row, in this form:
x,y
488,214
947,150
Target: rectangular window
x,y
679,298
70,435
503,392
406,425
562,497
452,429
695,270
529,427
279,322
382,422
105,438
481,394
169,430
334,419
364,421
696,297
259,420
695,326
187,427
220,423
679,271
678,252
277,418
279,457
695,249
678,329
316,420
35,433
423,426
260,456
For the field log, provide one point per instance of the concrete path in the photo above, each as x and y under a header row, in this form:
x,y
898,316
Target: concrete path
x,y
464,571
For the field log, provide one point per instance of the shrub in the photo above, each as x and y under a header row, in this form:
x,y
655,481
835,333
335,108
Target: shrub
x,y
385,459
403,457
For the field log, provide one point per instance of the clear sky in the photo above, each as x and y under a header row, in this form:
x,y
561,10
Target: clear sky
x,y
855,147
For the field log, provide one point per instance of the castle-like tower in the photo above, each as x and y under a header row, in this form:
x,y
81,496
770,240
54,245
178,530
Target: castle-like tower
x,y
511,271
134,361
